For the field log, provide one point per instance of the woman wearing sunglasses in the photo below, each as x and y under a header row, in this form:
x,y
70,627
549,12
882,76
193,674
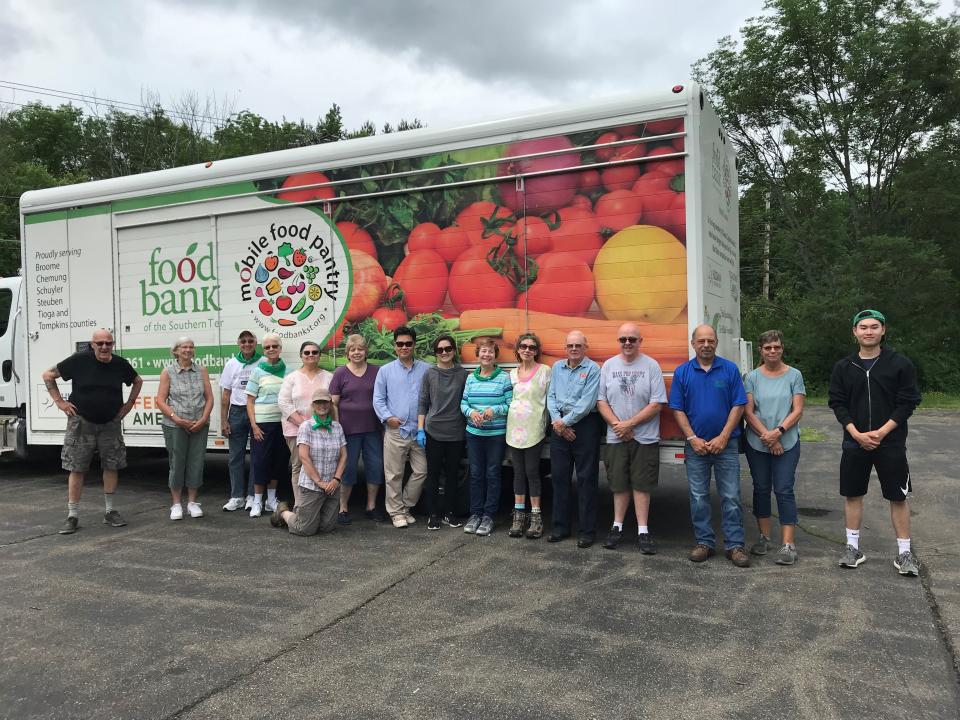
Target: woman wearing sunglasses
x,y
269,454
294,401
486,400
526,429
440,426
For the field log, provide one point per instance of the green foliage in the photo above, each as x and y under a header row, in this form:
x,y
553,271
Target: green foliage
x,y
845,116
840,90
880,274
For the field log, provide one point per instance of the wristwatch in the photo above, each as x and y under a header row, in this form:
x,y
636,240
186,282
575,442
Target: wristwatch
x,y
337,479
782,431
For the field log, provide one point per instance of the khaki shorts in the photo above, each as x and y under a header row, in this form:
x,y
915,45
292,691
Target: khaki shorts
x,y
83,438
632,466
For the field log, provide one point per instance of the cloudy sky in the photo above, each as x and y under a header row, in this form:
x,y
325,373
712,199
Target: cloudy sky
x,y
446,62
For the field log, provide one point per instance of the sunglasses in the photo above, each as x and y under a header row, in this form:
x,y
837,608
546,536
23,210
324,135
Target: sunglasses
x,y
248,341
574,346
444,348
271,347
310,352
103,343
404,343
626,340
525,346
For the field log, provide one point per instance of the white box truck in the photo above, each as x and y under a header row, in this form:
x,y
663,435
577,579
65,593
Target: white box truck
x,y
576,218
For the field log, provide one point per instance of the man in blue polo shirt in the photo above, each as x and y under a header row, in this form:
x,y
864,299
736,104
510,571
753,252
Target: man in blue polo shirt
x,y
707,399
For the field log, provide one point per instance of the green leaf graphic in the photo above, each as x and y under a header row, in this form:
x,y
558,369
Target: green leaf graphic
x,y
190,249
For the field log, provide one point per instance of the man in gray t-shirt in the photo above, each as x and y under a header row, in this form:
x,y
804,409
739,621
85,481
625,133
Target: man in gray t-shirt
x,y
632,393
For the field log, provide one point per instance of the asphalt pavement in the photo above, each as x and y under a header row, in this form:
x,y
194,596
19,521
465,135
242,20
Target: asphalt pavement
x,y
226,616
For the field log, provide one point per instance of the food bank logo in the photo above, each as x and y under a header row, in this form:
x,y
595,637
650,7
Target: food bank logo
x,y
295,276
180,285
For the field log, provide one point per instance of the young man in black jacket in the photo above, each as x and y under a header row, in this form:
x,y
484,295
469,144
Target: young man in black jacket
x,y
872,393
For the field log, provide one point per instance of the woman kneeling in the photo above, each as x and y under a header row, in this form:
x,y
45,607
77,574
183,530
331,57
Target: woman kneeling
x,y
323,454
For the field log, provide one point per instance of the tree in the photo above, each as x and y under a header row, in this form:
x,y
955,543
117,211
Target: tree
x,y
841,89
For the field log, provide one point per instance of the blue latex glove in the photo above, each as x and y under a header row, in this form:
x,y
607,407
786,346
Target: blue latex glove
x,y
421,438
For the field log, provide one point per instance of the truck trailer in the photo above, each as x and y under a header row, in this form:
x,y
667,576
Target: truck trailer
x,y
580,217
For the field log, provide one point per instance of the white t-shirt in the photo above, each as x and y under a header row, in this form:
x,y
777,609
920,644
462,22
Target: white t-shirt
x,y
630,387
234,378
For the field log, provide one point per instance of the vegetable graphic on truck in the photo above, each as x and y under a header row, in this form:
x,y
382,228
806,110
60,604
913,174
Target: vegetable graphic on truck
x,y
578,218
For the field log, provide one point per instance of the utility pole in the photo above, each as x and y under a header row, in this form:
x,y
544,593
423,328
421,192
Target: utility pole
x,y
765,287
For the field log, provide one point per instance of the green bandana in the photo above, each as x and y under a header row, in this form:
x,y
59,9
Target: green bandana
x,y
322,423
491,376
279,369
245,361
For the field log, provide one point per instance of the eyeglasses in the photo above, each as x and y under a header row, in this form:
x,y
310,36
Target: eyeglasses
x,y
310,352
271,347
103,343
444,348
404,343
574,346
525,346
626,340
248,341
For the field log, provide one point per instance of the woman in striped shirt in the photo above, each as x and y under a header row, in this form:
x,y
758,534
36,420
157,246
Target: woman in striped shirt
x,y
486,400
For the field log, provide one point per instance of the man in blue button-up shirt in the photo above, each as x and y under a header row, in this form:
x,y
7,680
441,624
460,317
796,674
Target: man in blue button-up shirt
x,y
575,442
396,397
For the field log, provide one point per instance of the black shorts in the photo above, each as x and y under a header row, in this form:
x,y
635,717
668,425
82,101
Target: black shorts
x,y
891,466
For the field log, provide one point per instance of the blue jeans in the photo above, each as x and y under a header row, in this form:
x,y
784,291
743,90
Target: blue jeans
x,y
370,445
776,472
486,457
726,470
237,442
583,454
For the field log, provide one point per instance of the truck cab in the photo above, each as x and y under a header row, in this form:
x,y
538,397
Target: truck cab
x,y
13,365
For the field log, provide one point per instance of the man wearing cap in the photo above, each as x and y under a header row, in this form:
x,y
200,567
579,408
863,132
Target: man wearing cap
x,y
707,398
323,454
872,392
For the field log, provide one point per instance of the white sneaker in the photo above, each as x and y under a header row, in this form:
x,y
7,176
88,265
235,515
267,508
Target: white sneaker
x,y
256,510
249,504
270,505
176,512
233,504
195,510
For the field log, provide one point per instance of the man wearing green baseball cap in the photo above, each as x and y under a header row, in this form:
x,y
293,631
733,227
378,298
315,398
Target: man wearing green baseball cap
x,y
872,392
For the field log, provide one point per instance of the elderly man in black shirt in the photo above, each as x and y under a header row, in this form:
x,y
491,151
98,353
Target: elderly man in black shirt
x,y
95,412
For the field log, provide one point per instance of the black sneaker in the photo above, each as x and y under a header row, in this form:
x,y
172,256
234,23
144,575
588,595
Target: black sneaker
x,y
646,544
69,526
452,520
343,518
433,523
376,515
113,519
613,539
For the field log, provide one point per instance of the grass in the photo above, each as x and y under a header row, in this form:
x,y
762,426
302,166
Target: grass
x,y
808,434
931,401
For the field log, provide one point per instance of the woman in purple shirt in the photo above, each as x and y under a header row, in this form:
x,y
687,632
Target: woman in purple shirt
x,y
352,391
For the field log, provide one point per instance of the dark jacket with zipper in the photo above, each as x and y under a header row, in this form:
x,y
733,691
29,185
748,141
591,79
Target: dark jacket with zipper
x,y
869,398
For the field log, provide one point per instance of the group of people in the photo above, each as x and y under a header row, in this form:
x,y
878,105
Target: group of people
x,y
308,430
